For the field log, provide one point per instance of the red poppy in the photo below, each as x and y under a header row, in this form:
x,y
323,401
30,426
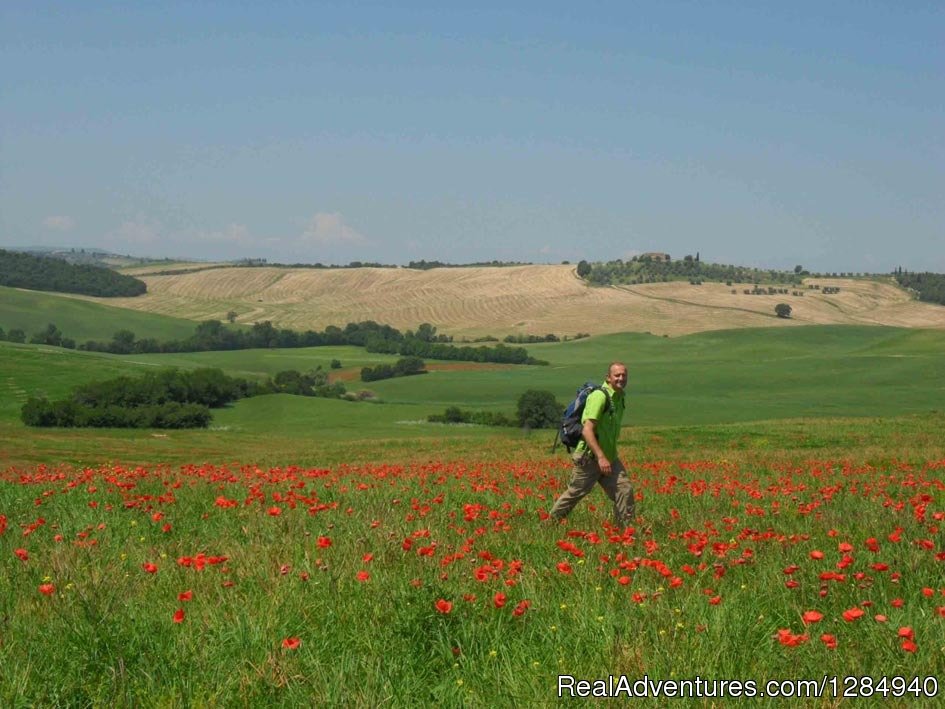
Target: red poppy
x,y
564,567
499,599
149,567
715,600
521,608
909,646
363,576
21,554
812,617
274,511
47,589
829,640
185,595
852,614
443,606
786,637
897,603
816,554
324,542
179,616
291,643
906,632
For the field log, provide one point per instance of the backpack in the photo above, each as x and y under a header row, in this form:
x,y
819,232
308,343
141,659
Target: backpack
x,y
571,428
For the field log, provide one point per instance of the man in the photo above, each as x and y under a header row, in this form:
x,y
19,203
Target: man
x,y
595,456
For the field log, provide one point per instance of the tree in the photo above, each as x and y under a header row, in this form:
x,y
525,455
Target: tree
x,y
782,310
583,268
50,336
231,316
798,269
539,409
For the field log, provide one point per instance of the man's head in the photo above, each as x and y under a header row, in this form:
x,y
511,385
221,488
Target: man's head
x,y
617,376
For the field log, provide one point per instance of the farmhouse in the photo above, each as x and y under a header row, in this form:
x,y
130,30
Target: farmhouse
x,y
655,256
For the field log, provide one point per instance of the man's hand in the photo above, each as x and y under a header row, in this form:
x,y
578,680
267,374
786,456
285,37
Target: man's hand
x,y
590,437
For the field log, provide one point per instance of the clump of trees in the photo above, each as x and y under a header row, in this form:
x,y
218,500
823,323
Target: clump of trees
x,y
44,273
643,269
313,383
165,399
454,414
534,409
403,367
929,287
168,398
539,409
782,310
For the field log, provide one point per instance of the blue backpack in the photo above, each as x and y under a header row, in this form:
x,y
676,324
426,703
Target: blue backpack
x,y
571,429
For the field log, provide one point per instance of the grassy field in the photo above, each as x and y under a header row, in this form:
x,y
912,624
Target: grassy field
x,y
83,320
709,379
757,556
313,552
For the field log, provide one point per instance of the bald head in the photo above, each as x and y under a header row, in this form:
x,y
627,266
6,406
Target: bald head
x,y
617,376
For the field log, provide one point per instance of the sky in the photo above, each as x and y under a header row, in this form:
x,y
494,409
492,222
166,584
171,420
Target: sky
x,y
760,134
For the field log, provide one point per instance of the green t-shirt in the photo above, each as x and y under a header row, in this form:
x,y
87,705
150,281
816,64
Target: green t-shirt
x,y
607,429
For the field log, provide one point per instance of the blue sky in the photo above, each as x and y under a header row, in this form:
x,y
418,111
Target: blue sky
x,y
769,134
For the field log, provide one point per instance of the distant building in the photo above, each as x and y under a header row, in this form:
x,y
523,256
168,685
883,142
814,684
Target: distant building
x,y
656,256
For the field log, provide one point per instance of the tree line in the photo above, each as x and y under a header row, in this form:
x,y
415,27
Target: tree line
x,y
646,270
424,265
213,335
930,287
403,367
168,398
535,408
45,273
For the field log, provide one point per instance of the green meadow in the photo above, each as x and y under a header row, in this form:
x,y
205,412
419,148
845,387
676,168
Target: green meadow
x,y
315,552
726,388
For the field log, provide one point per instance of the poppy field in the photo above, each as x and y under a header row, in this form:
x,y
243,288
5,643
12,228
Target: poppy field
x,y
443,580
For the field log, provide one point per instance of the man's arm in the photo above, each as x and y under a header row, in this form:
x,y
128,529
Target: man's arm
x,y
590,437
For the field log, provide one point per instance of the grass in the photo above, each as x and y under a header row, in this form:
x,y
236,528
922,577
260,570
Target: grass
x,y
750,377
83,320
748,452
400,581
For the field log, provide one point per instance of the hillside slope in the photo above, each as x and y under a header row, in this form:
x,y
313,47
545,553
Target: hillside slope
x,y
496,301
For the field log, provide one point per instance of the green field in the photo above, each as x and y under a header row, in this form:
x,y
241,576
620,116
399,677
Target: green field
x,y
699,382
789,493
83,320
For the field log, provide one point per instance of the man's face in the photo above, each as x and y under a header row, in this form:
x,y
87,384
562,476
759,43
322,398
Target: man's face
x,y
617,377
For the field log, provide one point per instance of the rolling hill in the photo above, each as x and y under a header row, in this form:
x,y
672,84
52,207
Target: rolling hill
x,y
534,299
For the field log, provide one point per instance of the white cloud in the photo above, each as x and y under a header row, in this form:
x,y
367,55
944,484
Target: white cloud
x,y
59,223
329,228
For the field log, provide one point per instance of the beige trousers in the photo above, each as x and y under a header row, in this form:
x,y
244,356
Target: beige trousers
x,y
585,474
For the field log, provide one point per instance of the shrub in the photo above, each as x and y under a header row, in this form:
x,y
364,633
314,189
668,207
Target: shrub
x,y
539,409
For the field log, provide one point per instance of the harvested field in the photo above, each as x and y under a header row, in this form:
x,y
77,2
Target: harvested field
x,y
536,300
